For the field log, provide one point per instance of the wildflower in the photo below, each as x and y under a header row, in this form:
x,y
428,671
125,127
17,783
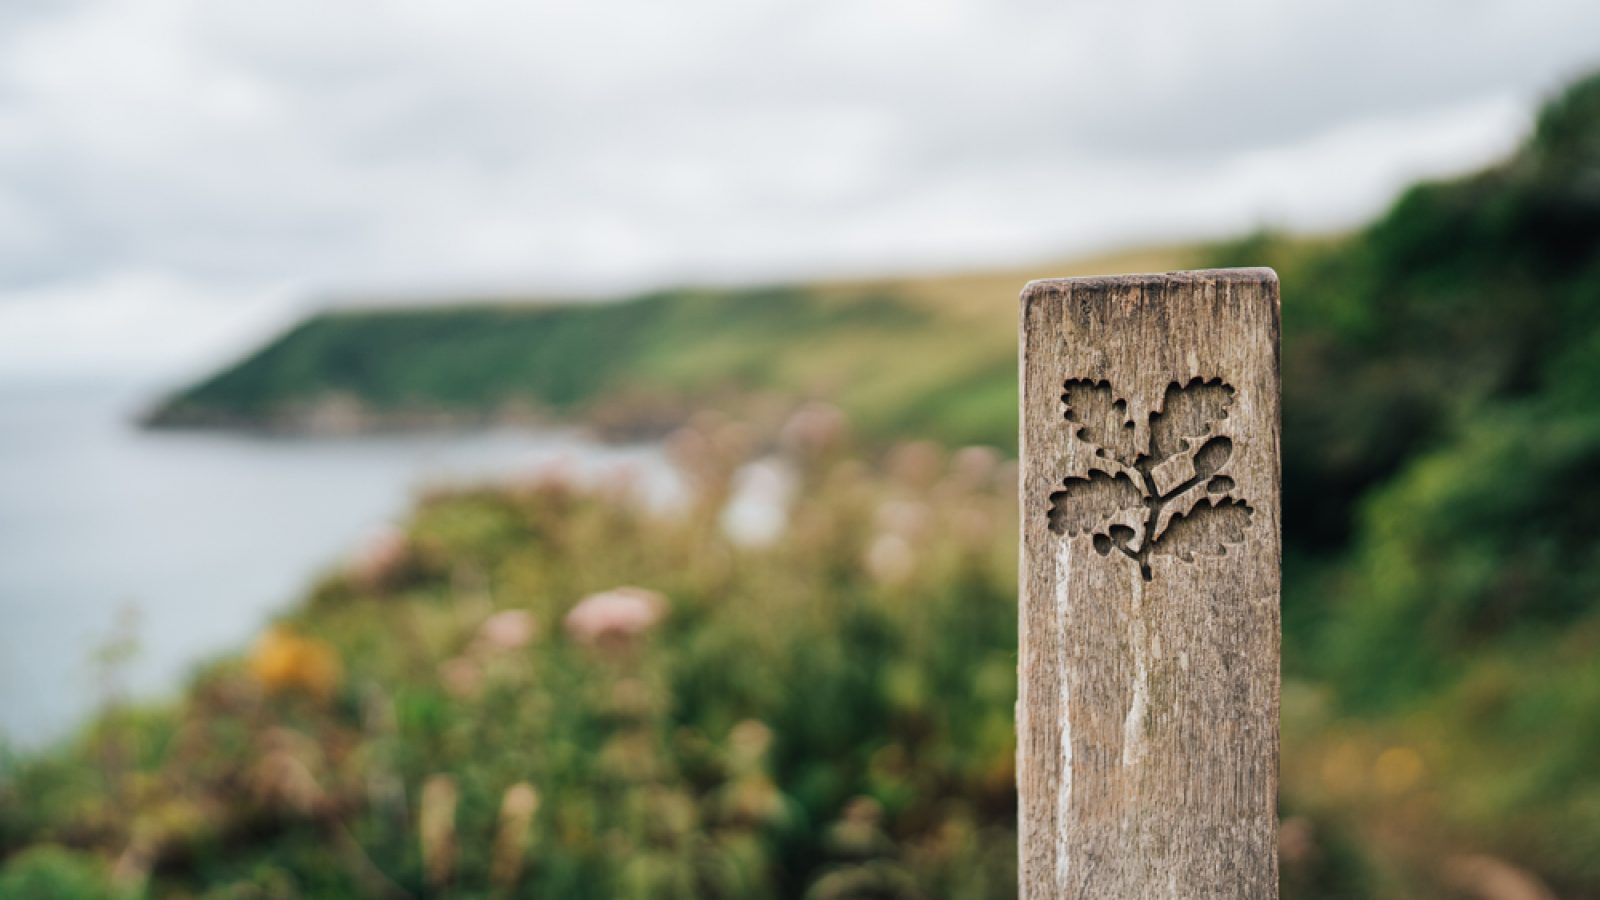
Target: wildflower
x,y
618,614
510,629
974,467
284,660
757,512
1398,769
890,559
814,430
708,451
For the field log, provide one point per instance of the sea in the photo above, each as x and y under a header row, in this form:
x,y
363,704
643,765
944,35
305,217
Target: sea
x,y
129,556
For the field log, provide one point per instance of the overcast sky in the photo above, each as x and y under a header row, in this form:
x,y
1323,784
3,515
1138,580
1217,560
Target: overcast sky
x,y
178,175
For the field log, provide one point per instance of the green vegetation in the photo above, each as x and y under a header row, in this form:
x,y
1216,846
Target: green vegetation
x,y
1442,462
821,716
830,715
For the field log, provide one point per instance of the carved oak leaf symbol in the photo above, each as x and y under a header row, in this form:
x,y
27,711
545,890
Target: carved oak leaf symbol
x,y
1094,505
1171,495
1101,418
1208,529
1187,413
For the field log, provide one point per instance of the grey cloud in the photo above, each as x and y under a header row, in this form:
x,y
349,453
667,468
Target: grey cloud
x,y
366,145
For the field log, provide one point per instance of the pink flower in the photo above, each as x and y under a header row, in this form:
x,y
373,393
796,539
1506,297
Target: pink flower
x,y
814,430
381,560
620,613
509,629
890,559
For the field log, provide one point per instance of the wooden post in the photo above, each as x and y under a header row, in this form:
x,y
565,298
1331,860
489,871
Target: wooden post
x,y
1147,720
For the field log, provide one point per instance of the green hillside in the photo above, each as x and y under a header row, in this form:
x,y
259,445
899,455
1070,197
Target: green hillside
x,y
829,716
932,357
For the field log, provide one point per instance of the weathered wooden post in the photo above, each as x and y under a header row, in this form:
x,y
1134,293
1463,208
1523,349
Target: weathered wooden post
x,y
1147,721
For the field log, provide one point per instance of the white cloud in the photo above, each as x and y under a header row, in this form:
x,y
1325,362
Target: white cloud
x,y
210,153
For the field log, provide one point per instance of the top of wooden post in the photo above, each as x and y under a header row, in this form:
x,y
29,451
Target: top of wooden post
x,y
1245,275
1148,695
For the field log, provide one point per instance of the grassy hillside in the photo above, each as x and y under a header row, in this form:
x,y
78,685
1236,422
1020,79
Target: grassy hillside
x,y
828,716
932,357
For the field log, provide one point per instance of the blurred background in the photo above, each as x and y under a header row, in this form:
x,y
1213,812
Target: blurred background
x,y
494,449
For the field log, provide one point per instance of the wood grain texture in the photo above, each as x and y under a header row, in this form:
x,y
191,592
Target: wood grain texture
x,y
1147,720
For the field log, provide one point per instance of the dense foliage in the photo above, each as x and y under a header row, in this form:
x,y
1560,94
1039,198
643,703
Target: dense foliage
x,y
1442,465
829,715
820,715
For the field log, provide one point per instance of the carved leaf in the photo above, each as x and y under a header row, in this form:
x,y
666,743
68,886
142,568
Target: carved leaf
x,y
1208,529
1187,413
1101,418
1091,505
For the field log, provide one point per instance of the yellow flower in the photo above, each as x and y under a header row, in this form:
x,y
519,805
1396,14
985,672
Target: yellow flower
x,y
283,661
1398,769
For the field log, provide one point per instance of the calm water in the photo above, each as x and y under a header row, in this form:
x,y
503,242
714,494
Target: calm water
x,y
194,540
